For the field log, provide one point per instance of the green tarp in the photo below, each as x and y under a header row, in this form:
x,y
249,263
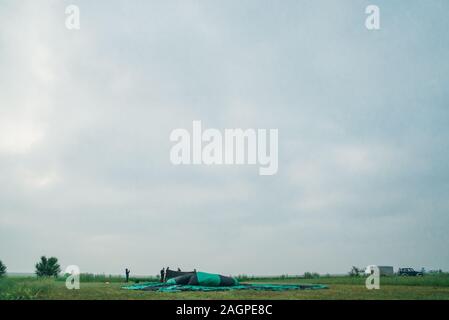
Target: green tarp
x,y
166,287
203,281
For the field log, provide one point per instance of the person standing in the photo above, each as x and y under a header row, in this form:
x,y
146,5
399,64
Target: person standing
x,y
166,273
127,271
162,275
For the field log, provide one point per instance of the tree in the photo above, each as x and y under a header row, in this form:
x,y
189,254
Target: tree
x,y
355,272
2,269
311,275
48,267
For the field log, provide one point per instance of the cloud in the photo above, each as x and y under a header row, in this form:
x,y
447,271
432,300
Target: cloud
x,y
85,118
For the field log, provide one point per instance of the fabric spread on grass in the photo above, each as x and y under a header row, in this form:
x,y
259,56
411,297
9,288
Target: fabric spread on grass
x,y
163,287
203,281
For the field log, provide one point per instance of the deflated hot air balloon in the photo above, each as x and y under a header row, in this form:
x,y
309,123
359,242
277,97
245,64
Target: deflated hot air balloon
x,y
201,279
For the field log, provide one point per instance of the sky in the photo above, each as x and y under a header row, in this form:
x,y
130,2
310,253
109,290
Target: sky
x,y
362,115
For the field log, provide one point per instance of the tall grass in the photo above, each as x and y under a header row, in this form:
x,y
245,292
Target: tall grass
x,y
432,280
25,289
91,277
244,277
429,279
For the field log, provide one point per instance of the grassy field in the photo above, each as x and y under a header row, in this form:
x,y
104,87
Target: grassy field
x,y
343,287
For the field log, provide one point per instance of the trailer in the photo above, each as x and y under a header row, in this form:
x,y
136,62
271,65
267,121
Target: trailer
x,y
383,270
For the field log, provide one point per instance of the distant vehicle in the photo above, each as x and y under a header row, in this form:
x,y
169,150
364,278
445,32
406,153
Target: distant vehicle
x,y
383,270
409,272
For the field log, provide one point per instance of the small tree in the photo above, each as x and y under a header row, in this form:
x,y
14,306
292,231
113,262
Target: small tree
x,y
48,267
2,269
354,272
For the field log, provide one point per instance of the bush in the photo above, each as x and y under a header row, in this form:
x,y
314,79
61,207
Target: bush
x,y
2,269
48,267
354,272
311,275
243,277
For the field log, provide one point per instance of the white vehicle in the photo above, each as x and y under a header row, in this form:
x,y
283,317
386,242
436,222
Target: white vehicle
x,y
383,270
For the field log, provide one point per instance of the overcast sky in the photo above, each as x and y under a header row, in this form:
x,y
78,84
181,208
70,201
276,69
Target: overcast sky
x,y
363,119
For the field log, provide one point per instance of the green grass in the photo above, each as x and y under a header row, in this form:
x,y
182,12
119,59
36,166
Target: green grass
x,y
437,280
25,288
343,287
